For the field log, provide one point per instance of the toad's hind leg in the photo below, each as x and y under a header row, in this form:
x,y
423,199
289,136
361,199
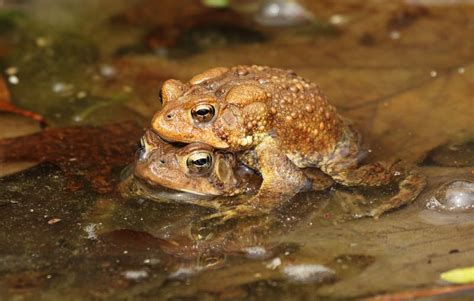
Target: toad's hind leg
x,y
379,174
409,188
375,174
319,180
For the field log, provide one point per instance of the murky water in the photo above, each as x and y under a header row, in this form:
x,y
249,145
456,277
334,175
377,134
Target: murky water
x,y
402,70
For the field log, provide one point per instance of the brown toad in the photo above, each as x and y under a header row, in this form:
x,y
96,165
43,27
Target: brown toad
x,y
195,173
278,123
195,168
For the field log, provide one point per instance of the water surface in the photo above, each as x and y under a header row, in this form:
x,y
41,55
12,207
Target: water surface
x,y
404,73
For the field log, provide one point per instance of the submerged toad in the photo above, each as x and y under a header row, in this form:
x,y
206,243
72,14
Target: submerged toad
x,y
198,170
278,123
195,168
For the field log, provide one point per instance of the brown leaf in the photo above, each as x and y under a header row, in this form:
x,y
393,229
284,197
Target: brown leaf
x,y
89,153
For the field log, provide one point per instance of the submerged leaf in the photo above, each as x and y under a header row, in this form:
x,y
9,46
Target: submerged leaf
x,y
89,153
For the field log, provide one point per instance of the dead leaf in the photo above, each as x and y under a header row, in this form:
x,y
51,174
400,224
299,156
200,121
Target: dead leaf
x,y
90,153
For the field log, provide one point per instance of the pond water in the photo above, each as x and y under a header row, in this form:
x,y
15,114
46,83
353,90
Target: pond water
x,y
403,71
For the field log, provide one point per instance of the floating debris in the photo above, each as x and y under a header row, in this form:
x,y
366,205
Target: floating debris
x,y
91,231
54,221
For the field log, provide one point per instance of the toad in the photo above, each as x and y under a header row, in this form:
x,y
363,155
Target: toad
x,y
197,170
278,123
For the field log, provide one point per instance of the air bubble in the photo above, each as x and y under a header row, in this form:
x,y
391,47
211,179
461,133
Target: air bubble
x,y
456,196
283,13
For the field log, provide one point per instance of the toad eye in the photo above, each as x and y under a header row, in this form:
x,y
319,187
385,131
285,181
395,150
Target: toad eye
x,y
203,113
199,162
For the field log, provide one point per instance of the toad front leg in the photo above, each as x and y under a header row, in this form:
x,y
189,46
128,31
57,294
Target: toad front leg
x,y
281,178
281,181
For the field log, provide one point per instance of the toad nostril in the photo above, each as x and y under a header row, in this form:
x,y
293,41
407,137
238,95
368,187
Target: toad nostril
x,y
162,161
169,116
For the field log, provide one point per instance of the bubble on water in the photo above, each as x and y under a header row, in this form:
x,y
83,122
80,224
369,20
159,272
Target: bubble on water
x,y
395,35
308,273
256,252
135,275
77,118
338,19
152,261
42,42
13,79
282,13
81,94
107,71
63,89
274,263
456,196
185,272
